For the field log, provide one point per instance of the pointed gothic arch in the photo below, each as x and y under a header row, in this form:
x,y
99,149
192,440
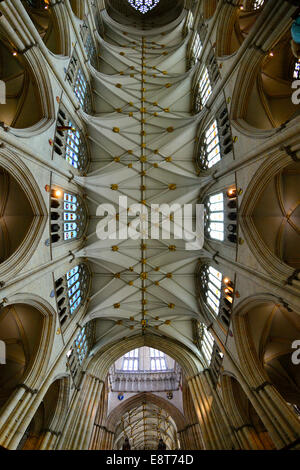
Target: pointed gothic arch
x,y
249,428
273,194
235,23
29,104
51,24
262,95
28,329
19,240
100,361
260,340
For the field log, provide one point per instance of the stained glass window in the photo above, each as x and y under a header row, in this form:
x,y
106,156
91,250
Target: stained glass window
x,y
69,141
74,292
80,87
70,216
211,284
296,73
207,344
143,6
197,47
81,345
210,152
204,86
131,361
72,145
214,218
79,82
157,360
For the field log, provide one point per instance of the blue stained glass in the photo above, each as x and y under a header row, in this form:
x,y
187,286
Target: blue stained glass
x,y
72,162
143,6
74,289
72,272
75,297
70,207
75,305
70,216
69,235
72,279
70,226
70,198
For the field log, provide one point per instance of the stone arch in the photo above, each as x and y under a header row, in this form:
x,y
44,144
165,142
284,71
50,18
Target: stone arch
x,y
78,7
264,328
235,23
29,99
51,24
28,330
262,100
273,193
102,360
15,176
249,428
139,400
49,417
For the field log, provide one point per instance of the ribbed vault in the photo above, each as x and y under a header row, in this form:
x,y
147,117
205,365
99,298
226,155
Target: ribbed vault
x,y
142,138
144,424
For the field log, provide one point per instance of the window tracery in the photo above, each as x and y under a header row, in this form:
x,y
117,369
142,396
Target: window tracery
x,y
215,140
79,83
143,6
157,360
68,217
221,216
71,291
69,141
131,361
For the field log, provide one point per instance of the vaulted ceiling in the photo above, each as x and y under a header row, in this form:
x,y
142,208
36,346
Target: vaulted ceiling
x,y
142,146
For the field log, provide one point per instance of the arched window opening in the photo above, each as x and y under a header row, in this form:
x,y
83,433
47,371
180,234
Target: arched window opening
x,y
205,342
42,15
79,83
69,141
79,351
221,216
215,141
88,42
196,48
204,91
68,216
209,76
215,217
217,292
131,361
144,369
71,292
157,360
